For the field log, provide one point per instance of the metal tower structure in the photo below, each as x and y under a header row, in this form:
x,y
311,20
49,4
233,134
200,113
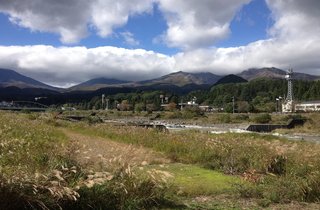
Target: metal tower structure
x,y
288,103
289,79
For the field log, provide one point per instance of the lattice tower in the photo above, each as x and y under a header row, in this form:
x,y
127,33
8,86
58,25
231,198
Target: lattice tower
x,y
290,86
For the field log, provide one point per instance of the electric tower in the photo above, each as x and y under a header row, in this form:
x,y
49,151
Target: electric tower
x,y
288,103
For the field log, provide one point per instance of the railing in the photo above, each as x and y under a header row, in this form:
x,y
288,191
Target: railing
x,y
23,105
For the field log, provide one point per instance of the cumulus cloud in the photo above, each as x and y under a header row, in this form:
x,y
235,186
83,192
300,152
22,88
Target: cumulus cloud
x,y
70,19
61,17
293,41
295,19
264,53
60,66
108,14
193,24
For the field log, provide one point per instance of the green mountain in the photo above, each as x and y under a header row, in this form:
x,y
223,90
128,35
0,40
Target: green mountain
x,y
231,78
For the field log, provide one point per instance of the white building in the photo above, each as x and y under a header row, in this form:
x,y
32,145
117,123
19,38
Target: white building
x,y
308,106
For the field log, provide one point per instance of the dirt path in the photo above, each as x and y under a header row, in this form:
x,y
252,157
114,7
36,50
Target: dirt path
x,y
100,152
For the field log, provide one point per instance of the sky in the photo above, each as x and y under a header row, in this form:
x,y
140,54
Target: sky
x,y
63,43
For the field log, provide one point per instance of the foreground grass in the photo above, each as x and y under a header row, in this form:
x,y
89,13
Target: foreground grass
x,y
38,171
193,180
278,170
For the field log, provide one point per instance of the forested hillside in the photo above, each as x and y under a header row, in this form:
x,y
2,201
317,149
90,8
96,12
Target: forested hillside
x,y
258,95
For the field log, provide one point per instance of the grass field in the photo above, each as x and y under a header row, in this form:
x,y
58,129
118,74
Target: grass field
x,y
49,163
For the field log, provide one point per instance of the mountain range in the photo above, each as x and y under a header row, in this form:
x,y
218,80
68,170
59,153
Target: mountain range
x,y
273,72
180,81
10,78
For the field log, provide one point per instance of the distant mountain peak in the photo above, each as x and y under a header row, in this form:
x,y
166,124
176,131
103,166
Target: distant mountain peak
x,y
182,78
231,78
97,83
10,78
274,73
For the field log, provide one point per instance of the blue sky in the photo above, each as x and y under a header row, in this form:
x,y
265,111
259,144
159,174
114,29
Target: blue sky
x,y
249,24
141,39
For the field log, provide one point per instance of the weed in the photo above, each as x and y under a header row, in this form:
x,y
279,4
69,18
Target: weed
x,y
225,118
262,118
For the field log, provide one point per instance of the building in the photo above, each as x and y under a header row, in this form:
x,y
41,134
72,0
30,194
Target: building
x,y
308,106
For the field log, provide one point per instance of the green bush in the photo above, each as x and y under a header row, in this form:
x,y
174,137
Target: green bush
x,y
241,117
225,118
191,112
278,165
249,190
262,118
283,189
173,115
93,119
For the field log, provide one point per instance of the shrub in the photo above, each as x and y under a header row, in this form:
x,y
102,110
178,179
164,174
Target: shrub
x,y
312,187
241,117
262,118
283,189
278,165
173,115
248,190
225,118
191,112
93,119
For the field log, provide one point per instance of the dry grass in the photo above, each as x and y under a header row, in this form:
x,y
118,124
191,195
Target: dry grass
x,y
39,170
99,152
280,170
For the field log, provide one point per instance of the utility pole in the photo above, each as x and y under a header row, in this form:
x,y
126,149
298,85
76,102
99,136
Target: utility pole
x,y
233,104
161,97
107,107
102,101
280,104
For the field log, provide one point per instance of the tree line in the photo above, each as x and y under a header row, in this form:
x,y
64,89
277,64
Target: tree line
x,y
258,95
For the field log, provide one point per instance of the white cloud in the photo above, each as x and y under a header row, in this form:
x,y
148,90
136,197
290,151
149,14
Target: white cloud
x,y
129,38
76,64
294,41
265,53
67,18
295,19
193,24
70,18
109,14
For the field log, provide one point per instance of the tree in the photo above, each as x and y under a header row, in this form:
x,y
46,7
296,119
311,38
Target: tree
x,y
243,106
124,106
139,107
171,106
